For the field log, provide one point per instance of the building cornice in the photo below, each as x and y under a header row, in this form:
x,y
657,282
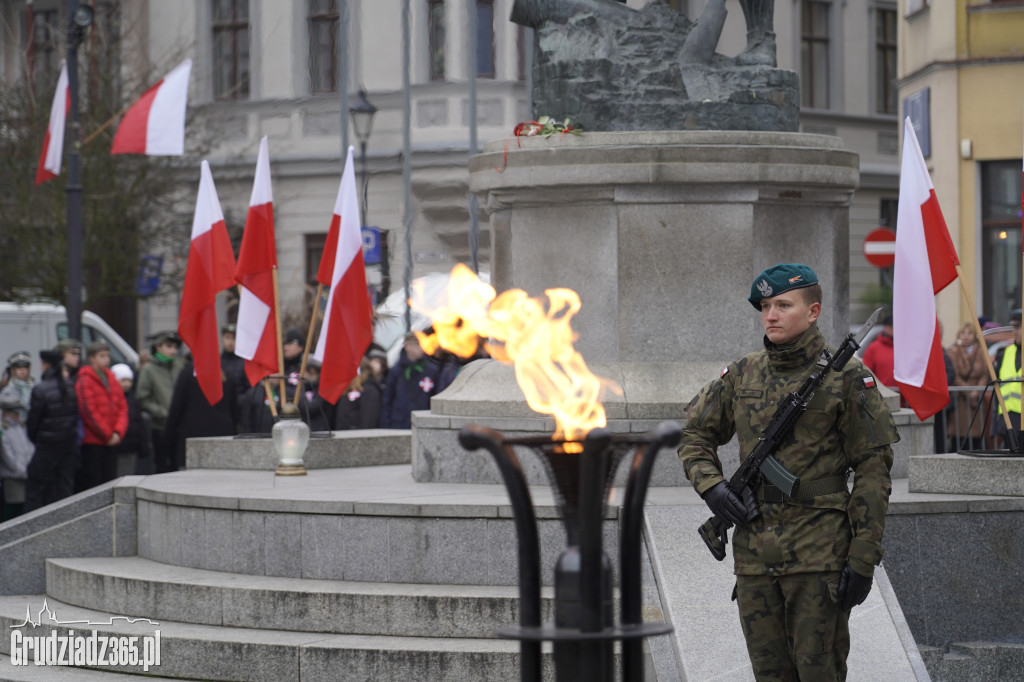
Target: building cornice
x,y
953,64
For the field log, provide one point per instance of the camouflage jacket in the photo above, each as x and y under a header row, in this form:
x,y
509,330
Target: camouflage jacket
x,y
847,426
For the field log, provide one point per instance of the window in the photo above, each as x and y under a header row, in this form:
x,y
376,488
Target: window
x,y
323,41
43,55
485,38
230,49
1001,237
435,27
887,212
314,251
885,58
814,46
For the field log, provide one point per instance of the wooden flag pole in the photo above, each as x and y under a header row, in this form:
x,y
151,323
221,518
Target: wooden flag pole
x,y
270,397
981,341
280,339
89,138
309,335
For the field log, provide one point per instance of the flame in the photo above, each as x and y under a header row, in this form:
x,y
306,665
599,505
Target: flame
x,y
533,334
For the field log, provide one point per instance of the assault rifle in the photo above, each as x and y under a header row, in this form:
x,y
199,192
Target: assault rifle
x,y
761,461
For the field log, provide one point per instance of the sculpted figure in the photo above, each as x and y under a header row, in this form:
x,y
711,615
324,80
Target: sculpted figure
x,y
611,67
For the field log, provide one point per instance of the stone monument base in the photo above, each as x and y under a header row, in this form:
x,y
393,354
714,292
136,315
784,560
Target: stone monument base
x,y
486,394
958,474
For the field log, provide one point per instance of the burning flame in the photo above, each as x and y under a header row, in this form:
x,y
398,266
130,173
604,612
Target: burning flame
x,y
533,335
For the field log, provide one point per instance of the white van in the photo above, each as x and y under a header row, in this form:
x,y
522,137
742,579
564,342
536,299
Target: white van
x,y
34,326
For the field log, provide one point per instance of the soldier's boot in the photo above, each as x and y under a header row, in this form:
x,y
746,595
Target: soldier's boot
x,y
760,49
759,17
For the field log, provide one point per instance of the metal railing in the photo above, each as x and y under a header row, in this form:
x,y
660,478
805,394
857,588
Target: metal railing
x,y
971,410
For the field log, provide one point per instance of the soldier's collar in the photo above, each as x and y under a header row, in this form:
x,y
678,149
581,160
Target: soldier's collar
x,y
801,352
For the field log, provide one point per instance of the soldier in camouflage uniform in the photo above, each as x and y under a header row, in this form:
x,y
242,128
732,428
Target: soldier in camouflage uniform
x,y
805,561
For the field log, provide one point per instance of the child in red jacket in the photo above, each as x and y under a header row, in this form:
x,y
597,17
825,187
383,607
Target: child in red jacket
x,y
104,414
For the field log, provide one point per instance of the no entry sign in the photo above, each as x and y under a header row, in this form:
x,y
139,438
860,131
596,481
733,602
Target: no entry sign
x,y
880,247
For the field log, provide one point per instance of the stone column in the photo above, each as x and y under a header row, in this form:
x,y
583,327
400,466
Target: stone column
x,y
661,234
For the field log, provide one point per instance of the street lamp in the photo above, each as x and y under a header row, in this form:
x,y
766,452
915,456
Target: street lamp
x,y
80,17
362,112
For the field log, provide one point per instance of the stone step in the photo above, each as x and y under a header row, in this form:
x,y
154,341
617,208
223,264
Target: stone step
x,y
207,652
364,447
138,587
993,661
37,673
370,524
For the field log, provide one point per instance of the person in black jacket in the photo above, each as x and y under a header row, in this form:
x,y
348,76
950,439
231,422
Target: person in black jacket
x,y
192,416
136,447
53,427
410,385
359,406
233,365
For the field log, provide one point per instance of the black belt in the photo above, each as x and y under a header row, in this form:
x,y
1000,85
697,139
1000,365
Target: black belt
x,y
767,492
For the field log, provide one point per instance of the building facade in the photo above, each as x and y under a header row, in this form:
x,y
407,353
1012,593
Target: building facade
x,y
961,70
267,67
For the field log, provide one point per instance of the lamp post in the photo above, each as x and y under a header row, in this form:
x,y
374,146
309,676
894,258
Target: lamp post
x,y
80,17
362,112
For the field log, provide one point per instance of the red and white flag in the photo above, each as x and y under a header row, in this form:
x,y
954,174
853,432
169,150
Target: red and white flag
x,y
925,264
155,124
256,337
348,323
53,143
211,268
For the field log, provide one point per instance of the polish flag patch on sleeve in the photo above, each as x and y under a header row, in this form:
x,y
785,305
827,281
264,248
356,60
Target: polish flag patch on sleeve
x,y
724,372
869,382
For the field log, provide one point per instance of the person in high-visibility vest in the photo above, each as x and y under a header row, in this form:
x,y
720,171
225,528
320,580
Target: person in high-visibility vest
x,y
1007,364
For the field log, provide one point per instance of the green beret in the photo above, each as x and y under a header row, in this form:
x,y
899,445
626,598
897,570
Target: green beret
x,y
779,279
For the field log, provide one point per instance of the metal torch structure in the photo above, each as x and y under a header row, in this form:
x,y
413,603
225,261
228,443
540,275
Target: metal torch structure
x,y
584,630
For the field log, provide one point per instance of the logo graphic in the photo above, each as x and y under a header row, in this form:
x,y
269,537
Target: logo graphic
x,y
426,383
764,288
795,279
63,646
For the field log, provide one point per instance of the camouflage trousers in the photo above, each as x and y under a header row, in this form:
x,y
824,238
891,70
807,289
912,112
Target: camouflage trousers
x,y
794,628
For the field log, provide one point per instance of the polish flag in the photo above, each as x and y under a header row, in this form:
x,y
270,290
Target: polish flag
x,y
211,268
256,337
155,125
926,263
348,323
53,143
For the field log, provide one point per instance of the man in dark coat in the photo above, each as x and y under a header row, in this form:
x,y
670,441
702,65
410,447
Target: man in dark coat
x,y
192,416
233,365
53,427
409,386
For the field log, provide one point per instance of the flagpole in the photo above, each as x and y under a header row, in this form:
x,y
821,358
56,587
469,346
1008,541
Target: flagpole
x,y
280,340
89,138
309,336
981,340
270,397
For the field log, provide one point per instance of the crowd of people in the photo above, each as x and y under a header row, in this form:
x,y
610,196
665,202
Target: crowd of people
x,y
83,422
973,420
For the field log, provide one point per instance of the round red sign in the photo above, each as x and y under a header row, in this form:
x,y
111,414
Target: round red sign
x,y
880,247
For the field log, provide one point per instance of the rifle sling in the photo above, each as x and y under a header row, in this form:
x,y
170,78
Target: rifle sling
x,y
767,492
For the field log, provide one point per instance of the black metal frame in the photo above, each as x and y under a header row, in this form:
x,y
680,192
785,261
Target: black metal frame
x,y
584,630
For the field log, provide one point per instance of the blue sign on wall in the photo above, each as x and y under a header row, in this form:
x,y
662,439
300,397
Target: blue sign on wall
x,y
918,107
371,245
148,281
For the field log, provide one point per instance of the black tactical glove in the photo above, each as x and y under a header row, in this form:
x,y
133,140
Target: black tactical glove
x,y
725,503
853,588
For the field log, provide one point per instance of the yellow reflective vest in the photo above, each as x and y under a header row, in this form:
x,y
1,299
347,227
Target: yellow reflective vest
x,y
1008,370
